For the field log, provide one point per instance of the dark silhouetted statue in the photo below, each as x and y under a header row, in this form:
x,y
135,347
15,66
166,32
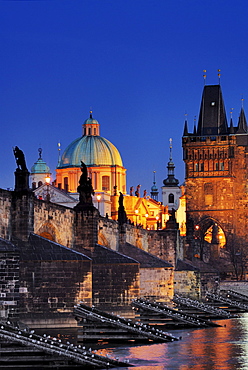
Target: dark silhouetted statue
x,y
122,216
85,188
137,192
21,172
20,159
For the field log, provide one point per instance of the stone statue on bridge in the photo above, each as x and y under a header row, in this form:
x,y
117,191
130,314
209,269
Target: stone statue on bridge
x,y
20,159
21,172
85,188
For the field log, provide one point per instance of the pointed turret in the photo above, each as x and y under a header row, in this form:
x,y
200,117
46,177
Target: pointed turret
x,y
171,180
242,125
185,131
154,189
231,129
171,191
212,118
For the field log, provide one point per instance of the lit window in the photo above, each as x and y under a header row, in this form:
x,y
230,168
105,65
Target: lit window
x,y
105,183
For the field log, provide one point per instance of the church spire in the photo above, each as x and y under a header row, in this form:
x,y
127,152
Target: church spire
x,y
185,131
242,124
154,189
170,180
212,118
231,129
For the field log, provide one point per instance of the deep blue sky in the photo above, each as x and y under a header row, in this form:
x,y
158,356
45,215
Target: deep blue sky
x,y
138,64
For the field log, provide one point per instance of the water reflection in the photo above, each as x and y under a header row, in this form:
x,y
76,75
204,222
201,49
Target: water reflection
x,y
219,348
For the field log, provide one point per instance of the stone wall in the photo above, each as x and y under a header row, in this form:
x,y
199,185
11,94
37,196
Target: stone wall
x,y
115,286
5,212
54,222
108,234
187,284
9,281
157,283
50,289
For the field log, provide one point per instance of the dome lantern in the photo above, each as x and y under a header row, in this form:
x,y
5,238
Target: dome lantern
x,y
91,126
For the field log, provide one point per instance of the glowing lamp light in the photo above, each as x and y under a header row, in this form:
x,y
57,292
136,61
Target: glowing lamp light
x,y
197,227
98,197
48,179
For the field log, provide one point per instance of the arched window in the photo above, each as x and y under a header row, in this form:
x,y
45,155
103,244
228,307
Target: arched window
x,y
39,183
33,185
66,185
171,198
105,183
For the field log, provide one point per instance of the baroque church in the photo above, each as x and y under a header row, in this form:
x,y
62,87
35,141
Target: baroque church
x,y
108,177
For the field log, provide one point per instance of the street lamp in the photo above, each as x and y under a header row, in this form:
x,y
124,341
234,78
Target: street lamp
x,y
47,179
98,197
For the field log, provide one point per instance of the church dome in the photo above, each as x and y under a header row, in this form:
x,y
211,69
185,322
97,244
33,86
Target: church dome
x,y
93,151
40,166
91,148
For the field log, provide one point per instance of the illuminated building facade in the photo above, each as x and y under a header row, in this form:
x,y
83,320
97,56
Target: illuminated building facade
x,y
104,165
101,157
216,164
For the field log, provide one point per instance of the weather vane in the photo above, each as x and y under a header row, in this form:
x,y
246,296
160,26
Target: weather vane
x,y
219,75
205,75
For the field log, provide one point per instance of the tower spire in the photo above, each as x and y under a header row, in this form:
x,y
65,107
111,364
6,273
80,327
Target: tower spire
x,y
185,130
242,124
154,189
170,180
212,118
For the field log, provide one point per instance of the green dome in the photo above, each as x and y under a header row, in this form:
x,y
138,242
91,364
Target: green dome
x,y
93,150
40,166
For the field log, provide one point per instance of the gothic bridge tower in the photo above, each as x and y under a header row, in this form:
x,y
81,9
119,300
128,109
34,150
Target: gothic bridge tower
x,y
216,167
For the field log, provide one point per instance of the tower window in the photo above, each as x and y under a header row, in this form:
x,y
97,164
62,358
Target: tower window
x,y
216,166
105,183
171,198
89,131
231,152
202,167
66,185
39,183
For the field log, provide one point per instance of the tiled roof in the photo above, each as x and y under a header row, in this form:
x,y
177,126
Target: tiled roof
x,y
104,255
39,248
7,246
145,259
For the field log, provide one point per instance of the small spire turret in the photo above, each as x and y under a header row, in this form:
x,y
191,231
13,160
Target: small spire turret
x,y
154,189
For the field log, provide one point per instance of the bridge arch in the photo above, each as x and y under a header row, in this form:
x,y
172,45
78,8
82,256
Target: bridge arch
x,y
49,231
211,231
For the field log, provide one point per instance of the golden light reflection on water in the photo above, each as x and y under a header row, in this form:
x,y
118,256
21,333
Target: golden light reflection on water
x,y
220,348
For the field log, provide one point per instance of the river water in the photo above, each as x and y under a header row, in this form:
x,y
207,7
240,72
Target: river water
x,y
214,348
